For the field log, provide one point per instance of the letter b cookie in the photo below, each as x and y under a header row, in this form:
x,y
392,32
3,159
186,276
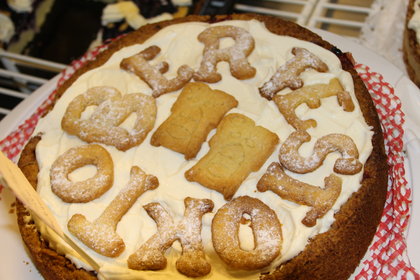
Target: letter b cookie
x,y
238,148
113,108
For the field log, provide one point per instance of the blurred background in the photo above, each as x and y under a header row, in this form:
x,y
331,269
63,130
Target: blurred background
x,y
39,38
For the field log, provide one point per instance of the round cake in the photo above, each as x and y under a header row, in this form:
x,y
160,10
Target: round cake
x,y
225,147
411,47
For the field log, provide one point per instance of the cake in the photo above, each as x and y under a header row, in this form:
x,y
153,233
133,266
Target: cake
x,y
244,195
411,48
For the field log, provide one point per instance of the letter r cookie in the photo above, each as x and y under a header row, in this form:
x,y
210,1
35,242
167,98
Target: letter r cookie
x,y
197,111
238,148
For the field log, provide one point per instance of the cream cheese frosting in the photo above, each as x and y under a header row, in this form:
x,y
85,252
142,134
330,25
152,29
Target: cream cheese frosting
x,y
414,22
179,45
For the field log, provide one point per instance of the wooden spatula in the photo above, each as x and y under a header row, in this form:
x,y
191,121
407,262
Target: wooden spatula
x,y
11,176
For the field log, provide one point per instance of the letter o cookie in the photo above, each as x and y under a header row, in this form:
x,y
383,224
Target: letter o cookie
x,y
265,226
87,190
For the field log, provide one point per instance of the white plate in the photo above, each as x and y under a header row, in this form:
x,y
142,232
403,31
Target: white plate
x,y
15,263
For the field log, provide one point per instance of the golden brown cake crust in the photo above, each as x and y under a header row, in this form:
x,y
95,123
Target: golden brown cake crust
x,y
411,48
331,255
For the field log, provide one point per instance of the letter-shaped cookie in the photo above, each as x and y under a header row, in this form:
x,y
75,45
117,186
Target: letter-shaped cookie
x,y
153,75
238,148
101,235
197,111
265,226
89,189
111,111
347,164
150,256
320,199
288,74
311,95
235,55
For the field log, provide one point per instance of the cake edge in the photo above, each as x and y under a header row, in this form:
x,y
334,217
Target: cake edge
x,y
411,48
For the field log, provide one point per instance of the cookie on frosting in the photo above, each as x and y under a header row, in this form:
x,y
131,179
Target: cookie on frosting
x,y
320,199
112,109
288,74
101,234
266,229
235,55
311,96
192,262
238,148
153,74
197,111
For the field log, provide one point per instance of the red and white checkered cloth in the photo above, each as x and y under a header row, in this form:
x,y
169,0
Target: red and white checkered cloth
x,y
388,253
387,256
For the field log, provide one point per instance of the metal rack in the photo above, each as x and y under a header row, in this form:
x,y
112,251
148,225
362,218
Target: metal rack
x,y
344,17
21,75
298,11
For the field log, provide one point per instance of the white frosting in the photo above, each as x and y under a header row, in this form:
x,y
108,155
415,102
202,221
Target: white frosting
x,y
414,22
179,46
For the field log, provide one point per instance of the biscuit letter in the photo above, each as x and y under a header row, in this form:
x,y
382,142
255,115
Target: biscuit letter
x,y
265,226
321,200
234,55
152,75
288,74
311,95
192,263
347,164
197,110
89,189
101,235
238,148
111,111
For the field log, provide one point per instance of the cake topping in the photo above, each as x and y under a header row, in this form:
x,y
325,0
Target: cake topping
x,y
265,226
101,235
77,157
192,263
320,199
288,74
238,148
311,96
112,110
235,55
197,111
153,75
347,164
